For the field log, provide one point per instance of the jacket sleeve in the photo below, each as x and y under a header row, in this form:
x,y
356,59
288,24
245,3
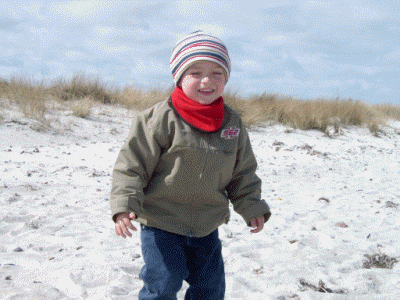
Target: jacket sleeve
x,y
134,166
244,190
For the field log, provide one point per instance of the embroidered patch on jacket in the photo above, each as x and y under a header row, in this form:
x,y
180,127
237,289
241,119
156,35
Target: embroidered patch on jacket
x,y
230,132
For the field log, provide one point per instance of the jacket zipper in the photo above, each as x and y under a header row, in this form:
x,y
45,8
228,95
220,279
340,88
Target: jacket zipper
x,y
203,144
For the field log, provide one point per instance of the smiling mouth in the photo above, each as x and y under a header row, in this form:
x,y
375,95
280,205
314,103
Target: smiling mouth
x,y
206,91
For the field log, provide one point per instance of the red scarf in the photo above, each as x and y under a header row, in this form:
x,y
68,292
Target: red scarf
x,y
204,117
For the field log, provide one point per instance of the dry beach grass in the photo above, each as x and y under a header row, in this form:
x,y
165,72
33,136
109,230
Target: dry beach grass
x,y
33,98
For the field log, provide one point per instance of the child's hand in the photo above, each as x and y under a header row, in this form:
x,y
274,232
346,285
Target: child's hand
x,y
257,223
123,222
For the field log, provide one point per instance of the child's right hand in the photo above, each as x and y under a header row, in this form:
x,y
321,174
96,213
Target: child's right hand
x,y
123,222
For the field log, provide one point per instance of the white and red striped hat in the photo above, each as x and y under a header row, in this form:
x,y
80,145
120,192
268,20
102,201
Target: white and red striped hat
x,y
195,47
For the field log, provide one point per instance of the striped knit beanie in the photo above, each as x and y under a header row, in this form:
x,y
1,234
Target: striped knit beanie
x,y
195,47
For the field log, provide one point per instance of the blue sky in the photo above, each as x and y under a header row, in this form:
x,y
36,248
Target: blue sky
x,y
304,49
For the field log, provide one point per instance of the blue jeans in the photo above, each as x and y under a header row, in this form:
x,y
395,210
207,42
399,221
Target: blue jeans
x,y
171,258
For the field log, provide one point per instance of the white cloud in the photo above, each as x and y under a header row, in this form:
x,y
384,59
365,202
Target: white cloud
x,y
75,9
310,58
43,35
277,39
317,4
12,38
342,10
330,83
329,8
91,70
250,65
149,73
393,56
210,28
364,13
143,10
74,55
83,11
368,70
142,67
287,79
102,47
357,82
104,30
58,68
203,9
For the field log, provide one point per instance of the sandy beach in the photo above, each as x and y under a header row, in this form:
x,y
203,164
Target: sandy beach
x,y
334,200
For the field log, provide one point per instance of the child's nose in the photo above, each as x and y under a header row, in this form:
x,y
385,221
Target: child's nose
x,y
206,78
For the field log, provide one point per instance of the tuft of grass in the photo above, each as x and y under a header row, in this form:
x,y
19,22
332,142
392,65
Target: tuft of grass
x,y
321,287
28,94
258,109
3,86
81,86
136,98
316,114
234,101
378,260
391,111
81,108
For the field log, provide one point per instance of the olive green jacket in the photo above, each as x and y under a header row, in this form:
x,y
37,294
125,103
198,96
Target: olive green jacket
x,y
179,179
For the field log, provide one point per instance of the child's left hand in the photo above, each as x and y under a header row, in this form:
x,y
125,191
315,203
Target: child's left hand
x,y
257,223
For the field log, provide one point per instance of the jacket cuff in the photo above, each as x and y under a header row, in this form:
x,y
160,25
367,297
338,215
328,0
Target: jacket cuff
x,y
128,205
120,210
259,208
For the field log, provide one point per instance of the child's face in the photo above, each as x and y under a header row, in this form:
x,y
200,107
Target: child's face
x,y
203,82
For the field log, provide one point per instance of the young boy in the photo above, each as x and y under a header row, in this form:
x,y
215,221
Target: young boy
x,y
184,160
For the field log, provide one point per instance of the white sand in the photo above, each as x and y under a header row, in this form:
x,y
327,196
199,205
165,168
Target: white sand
x,y
333,200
